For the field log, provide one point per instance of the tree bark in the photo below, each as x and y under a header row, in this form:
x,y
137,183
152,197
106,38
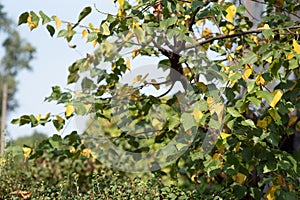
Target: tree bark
x,y
3,117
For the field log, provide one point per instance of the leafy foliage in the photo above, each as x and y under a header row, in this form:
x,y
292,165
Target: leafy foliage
x,y
241,123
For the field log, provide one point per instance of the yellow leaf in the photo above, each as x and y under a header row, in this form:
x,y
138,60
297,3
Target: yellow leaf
x,y
197,114
216,156
254,38
240,178
26,151
231,10
277,96
206,32
38,118
84,33
69,110
32,25
290,56
265,27
59,119
224,135
127,61
121,3
292,120
94,43
57,22
237,147
260,80
199,22
202,86
135,52
215,107
270,195
72,149
296,46
86,152
239,48
269,60
264,122
247,73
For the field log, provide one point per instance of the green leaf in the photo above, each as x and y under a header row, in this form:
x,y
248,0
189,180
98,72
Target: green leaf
x,y
85,12
55,141
268,33
62,33
249,58
23,18
92,36
166,23
105,29
251,86
50,29
45,18
187,121
268,96
248,122
255,101
233,112
293,64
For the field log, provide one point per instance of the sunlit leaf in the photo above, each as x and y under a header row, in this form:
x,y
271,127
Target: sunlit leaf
x,y
206,32
105,29
240,178
197,114
84,33
127,62
57,22
224,135
33,20
296,46
69,110
231,10
277,96
263,123
27,151
260,80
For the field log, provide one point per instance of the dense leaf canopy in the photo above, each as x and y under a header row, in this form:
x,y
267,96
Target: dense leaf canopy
x,y
227,125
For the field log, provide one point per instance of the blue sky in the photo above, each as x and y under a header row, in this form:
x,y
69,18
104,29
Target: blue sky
x,y
52,59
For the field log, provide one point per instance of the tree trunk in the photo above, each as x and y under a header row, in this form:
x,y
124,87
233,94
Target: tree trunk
x,y
3,117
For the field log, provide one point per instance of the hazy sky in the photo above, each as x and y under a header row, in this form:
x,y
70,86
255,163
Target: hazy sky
x,y
52,59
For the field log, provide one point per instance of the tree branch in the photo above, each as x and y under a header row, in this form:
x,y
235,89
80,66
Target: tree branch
x,y
220,37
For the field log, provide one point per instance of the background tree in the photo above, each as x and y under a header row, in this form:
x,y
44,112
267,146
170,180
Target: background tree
x,y
228,99
17,56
